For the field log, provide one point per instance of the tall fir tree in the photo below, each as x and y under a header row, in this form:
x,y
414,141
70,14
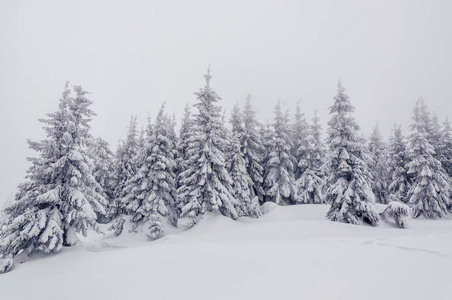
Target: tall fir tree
x,y
279,179
186,132
206,184
318,160
125,165
236,167
429,194
150,193
349,190
300,143
253,150
446,149
102,157
436,136
61,195
399,181
379,166
309,186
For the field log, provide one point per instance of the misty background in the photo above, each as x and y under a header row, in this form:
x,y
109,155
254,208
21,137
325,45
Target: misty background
x,y
134,55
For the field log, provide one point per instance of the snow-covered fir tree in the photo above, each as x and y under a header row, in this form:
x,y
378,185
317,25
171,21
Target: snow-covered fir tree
x,y
349,191
316,131
300,143
378,166
310,184
61,195
102,157
141,136
253,150
236,122
436,136
399,181
279,177
429,193
150,193
248,205
446,149
266,134
186,131
206,184
125,165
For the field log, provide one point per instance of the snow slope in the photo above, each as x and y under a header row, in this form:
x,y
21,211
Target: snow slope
x,y
291,252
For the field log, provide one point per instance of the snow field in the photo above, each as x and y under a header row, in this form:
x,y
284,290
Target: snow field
x,y
290,252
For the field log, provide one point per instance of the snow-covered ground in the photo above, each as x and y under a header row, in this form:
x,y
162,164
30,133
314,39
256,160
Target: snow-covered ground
x,y
291,252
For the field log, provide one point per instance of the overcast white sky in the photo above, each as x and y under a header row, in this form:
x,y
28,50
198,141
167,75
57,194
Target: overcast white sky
x,y
133,55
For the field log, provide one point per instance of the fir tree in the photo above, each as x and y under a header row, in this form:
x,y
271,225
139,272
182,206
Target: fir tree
x,y
61,196
436,136
184,152
398,159
446,149
300,143
319,147
349,189
150,193
253,150
102,157
125,165
279,179
236,167
428,195
236,122
309,185
206,183
378,166
141,137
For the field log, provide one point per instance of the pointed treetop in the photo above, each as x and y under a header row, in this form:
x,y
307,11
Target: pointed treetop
x,y
208,76
340,88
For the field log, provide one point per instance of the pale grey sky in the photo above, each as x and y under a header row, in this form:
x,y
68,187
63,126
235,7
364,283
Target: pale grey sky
x,y
133,55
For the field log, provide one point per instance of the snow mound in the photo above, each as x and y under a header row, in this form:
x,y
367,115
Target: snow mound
x,y
6,265
398,212
268,207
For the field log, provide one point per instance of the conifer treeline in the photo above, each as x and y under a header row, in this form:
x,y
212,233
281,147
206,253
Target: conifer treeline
x,y
158,177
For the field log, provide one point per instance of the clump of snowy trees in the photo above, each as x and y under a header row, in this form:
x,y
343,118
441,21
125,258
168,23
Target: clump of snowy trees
x,y
159,178
61,195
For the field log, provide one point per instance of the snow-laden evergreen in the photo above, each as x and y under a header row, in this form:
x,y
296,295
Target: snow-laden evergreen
x,y
436,136
150,193
125,165
349,191
102,157
309,187
300,142
279,177
141,136
248,204
253,150
445,152
379,166
266,135
206,184
185,133
61,195
399,181
429,194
